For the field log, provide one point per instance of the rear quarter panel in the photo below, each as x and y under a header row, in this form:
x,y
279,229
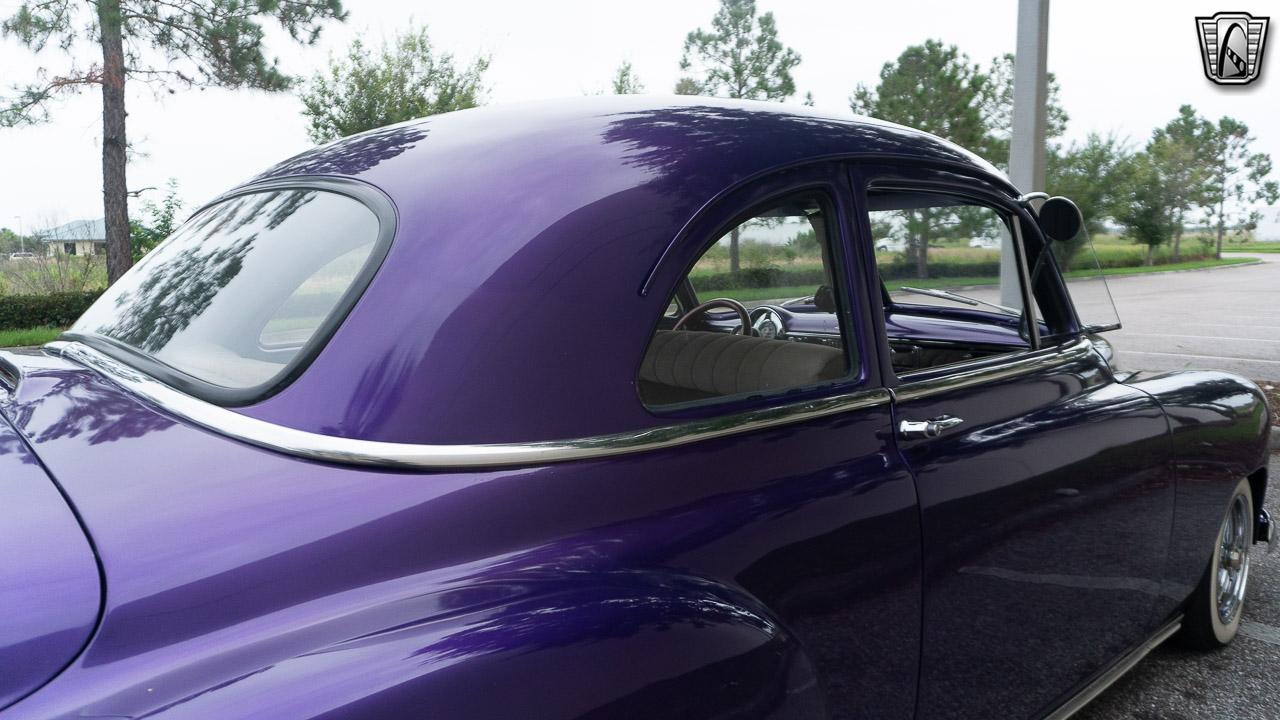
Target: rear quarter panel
x,y
679,583
1220,428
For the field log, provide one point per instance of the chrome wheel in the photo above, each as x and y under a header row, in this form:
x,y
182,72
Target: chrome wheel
x,y
1214,611
1232,572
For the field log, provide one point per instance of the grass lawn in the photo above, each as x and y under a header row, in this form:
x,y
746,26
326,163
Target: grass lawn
x,y
1253,248
28,336
1193,265
795,291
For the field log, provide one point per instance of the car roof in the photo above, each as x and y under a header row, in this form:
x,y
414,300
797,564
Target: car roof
x,y
525,234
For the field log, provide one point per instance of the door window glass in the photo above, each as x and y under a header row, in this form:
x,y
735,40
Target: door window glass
x,y
773,326
952,278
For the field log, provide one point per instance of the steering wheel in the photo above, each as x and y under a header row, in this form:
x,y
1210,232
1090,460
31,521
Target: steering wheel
x,y
730,303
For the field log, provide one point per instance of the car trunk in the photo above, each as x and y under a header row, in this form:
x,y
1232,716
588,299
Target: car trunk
x,y
50,588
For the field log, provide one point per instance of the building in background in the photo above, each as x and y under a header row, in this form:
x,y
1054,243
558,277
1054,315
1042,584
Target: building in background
x,y
1268,229
82,237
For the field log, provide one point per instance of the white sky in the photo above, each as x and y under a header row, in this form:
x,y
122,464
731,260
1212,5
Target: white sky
x,y
1123,67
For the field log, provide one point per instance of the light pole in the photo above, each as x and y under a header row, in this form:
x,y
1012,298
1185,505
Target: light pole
x,y
1030,101
22,244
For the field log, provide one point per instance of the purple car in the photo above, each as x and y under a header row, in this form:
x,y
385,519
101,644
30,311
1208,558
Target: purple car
x,y
612,409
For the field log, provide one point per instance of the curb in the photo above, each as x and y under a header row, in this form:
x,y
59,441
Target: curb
x,y
1255,261
1275,439
1090,278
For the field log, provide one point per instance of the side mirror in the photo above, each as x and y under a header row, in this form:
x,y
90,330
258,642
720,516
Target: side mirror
x,y
1060,219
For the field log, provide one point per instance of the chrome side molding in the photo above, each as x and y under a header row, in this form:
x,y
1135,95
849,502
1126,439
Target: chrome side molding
x,y
985,371
351,451
1099,685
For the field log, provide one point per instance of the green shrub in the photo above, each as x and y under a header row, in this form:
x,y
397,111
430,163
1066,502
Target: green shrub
x,y
1122,256
902,270
759,277
56,310
944,263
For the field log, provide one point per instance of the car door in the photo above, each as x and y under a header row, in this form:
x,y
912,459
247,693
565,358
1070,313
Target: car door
x,y
1045,487
816,519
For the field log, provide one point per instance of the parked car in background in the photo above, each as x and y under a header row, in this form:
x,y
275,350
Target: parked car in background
x,y
21,256
890,245
461,418
986,243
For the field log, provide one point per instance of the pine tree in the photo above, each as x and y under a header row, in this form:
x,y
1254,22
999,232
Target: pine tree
x,y
204,43
740,57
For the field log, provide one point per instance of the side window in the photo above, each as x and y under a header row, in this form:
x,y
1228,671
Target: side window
x,y
762,313
952,278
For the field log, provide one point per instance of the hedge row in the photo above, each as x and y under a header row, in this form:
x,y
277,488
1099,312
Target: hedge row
x,y
766,277
1135,257
759,277
56,310
907,270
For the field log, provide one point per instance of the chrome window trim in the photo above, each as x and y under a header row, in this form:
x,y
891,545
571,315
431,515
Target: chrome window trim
x,y
351,451
1024,278
986,370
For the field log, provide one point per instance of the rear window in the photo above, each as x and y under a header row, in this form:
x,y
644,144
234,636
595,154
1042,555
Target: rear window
x,y
237,296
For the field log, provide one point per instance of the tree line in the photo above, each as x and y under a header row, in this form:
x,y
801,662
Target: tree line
x,y
1191,171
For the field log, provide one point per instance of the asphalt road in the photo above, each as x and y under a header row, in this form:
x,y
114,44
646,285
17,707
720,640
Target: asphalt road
x,y
1240,682
1222,319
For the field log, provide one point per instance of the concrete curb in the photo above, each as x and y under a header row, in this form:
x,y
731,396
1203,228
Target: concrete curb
x,y
1140,274
1275,439
1232,266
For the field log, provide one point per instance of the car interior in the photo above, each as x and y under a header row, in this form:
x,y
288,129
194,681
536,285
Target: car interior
x,y
941,293
713,349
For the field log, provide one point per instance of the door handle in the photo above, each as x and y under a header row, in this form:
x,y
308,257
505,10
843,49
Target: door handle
x,y
924,429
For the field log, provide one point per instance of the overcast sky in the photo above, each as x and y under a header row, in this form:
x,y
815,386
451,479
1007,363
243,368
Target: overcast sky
x,y
1123,67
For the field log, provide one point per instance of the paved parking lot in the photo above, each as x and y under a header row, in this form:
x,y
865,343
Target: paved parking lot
x,y
1226,319
1241,682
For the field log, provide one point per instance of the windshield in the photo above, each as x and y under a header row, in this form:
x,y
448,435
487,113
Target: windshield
x,y
235,295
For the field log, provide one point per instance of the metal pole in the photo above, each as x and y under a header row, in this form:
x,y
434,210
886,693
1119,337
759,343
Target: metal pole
x,y
1026,147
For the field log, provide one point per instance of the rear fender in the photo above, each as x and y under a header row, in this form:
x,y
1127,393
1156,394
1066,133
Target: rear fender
x,y
1220,430
615,644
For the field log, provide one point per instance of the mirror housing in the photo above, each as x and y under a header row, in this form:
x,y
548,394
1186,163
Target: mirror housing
x,y
1060,219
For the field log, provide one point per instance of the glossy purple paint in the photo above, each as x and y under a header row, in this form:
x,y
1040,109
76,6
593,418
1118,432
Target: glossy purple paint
x,y
236,574
48,577
818,569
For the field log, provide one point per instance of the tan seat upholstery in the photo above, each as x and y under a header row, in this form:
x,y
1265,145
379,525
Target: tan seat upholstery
x,y
689,365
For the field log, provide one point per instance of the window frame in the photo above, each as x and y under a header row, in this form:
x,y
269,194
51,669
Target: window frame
x,y
827,183
921,178
384,211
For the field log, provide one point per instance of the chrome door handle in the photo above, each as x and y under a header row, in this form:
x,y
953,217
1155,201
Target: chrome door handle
x,y
924,429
